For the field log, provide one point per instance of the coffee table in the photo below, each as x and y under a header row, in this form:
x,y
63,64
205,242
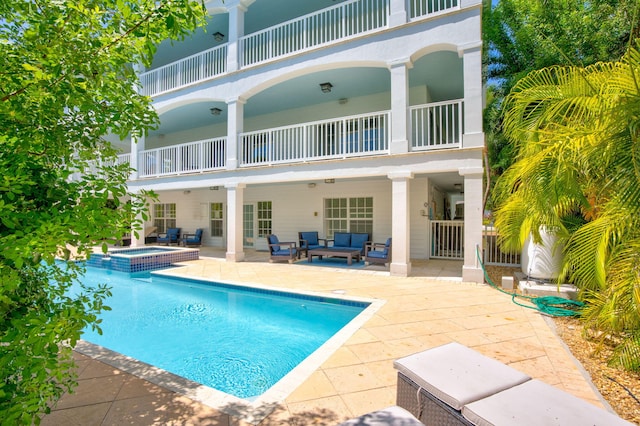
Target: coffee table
x,y
320,252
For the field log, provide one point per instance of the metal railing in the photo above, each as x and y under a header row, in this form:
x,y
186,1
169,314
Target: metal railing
x,y
195,68
343,137
315,29
192,157
437,125
421,8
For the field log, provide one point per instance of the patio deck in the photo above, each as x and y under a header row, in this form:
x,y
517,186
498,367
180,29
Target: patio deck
x,y
430,308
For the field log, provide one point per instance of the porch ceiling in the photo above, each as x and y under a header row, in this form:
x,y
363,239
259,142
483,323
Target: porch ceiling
x,y
441,72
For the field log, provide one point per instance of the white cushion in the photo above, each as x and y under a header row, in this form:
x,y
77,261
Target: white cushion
x,y
537,403
457,375
392,416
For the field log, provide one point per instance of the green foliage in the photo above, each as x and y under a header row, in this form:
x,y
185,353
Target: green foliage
x,y
577,136
522,36
67,81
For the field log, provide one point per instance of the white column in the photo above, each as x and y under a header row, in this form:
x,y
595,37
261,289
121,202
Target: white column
x,y
401,224
138,241
397,13
473,94
399,106
135,160
236,31
471,270
235,126
235,201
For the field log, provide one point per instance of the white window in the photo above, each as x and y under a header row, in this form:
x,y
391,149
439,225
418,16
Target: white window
x,y
217,219
348,215
264,218
164,216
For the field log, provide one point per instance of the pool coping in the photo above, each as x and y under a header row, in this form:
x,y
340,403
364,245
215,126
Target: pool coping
x,y
252,410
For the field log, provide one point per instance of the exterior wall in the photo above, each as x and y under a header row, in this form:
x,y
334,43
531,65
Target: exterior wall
x,y
294,207
405,181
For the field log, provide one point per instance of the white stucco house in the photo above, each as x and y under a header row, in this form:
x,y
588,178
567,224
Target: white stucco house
x,y
327,115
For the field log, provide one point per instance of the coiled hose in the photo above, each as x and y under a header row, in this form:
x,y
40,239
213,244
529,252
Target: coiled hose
x,y
549,305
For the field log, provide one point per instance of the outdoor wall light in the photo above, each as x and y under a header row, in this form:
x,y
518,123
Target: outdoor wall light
x,y
329,181
215,111
326,87
218,36
214,188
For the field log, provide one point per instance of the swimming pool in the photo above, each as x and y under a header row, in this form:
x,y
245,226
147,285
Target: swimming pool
x,y
238,340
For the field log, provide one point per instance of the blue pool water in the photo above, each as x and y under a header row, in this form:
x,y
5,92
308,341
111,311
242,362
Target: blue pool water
x,y
235,340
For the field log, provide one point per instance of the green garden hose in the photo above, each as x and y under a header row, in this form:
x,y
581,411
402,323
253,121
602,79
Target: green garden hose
x,y
550,305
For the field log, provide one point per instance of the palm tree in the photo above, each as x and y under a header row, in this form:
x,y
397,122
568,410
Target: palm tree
x,y
577,171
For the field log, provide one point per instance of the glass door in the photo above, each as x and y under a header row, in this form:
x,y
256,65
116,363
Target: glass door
x,y
248,224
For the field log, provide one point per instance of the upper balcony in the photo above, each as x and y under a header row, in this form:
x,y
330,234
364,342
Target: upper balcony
x,y
434,126
304,32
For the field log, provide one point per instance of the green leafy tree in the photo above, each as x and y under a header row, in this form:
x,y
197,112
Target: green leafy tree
x,y
521,36
67,80
576,134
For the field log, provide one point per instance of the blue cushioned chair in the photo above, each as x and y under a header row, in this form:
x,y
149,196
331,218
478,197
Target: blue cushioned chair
x,y
378,253
358,241
280,250
172,236
194,239
309,241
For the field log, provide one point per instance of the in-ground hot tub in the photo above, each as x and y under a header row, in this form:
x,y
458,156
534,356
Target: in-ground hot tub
x,y
142,258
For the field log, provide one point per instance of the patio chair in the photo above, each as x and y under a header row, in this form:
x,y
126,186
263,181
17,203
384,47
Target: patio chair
x,y
172,236
195,239
378,252
281,250
309,240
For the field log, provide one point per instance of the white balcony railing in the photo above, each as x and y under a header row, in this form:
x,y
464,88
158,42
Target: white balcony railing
x,y
359,135
192,157
437,125
328,25
195,68
421,8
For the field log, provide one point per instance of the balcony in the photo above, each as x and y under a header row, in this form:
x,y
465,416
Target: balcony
x,y
321,140
434,126
335,24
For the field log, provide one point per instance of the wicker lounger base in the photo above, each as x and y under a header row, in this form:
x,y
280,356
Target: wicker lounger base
x,y
426,407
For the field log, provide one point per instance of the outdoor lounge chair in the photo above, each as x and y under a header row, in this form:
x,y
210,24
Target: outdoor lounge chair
x,y
194,239
378,252
309,240
172,236
280,251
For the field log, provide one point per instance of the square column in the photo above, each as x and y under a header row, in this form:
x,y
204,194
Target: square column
x,y
401,224
235,229
473,95
471,270
135,163
399,106
397,13
235,126
236,31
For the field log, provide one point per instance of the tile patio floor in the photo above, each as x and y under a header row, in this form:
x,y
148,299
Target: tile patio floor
x,y
430,308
